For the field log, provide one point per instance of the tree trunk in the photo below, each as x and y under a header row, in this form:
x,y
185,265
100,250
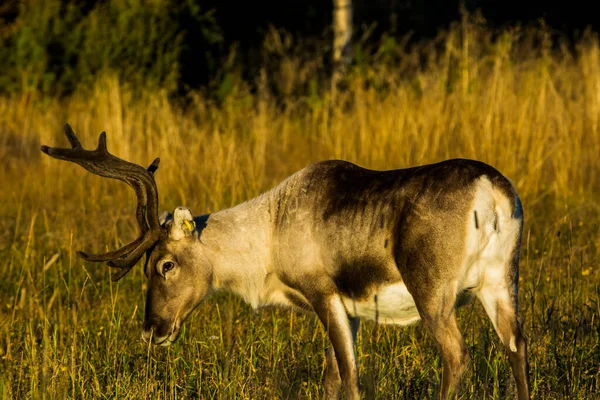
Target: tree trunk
x,y
342,39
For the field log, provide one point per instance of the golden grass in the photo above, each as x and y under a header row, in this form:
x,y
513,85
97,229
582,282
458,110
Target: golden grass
x,y
530,111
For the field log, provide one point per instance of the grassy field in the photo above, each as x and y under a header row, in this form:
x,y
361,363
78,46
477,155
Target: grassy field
x,y
530,109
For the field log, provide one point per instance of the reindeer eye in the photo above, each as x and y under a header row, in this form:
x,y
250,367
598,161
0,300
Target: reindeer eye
x,y
167,266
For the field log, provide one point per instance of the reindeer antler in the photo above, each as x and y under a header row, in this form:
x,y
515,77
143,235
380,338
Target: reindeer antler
x,y
101,162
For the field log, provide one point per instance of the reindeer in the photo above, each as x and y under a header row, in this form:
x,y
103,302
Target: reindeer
x,y
344,242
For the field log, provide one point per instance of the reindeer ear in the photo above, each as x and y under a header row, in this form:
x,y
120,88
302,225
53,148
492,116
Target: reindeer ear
x,y
182,224
164,217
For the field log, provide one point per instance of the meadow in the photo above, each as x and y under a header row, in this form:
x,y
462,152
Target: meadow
x,y
518,99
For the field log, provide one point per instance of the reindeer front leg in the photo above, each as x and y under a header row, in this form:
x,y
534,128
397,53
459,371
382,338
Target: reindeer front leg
x,y
332,314
333,382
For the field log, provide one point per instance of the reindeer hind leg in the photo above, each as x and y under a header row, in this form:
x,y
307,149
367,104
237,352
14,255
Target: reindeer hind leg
x,y
499,299
440,319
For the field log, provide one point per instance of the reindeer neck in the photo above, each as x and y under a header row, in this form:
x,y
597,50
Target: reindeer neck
x,y
236,243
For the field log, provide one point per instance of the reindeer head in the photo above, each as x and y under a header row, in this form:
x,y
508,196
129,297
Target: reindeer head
x,y
179,276
176,284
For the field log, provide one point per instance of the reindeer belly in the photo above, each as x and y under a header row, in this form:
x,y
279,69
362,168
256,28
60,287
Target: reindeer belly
x,y
387,304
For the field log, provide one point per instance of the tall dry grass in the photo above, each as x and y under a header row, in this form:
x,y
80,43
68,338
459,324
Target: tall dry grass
x,y
513,100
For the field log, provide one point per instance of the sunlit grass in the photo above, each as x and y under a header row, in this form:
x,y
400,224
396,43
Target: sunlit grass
x,y
67,331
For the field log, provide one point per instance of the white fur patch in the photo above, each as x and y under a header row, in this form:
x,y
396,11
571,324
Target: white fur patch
x,y
489,251
513,344
391,304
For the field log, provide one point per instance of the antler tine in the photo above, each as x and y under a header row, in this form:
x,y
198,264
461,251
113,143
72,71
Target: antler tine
x,y
71,136
154,166
141,211
102,143
119,274
128,262
102,163
111,255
